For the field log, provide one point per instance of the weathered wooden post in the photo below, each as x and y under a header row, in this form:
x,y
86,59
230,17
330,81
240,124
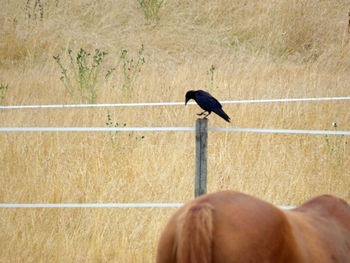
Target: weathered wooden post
x,y
200,180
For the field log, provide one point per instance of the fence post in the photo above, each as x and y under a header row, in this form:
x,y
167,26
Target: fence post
x,y
200,180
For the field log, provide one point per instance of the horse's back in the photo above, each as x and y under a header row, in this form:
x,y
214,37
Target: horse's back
x,y
231,227
321,227
248,229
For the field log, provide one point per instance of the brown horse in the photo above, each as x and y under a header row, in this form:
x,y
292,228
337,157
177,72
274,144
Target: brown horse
x,y
231,227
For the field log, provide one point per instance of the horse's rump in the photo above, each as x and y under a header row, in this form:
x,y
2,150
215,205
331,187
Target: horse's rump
x,y
233,227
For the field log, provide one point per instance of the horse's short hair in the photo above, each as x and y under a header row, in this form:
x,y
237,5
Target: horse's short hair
x,y
234,227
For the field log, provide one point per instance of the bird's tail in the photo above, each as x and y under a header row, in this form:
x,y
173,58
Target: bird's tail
x,y
222,114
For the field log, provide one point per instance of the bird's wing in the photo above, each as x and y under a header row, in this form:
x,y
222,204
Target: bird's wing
x,y
207,101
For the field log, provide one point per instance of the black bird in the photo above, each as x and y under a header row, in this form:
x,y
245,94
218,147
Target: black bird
x,y
207,102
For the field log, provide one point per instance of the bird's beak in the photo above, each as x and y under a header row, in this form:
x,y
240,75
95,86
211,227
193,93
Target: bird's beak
x,y
186,102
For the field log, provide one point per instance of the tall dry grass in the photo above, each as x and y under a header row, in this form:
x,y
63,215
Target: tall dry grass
x,y
259,49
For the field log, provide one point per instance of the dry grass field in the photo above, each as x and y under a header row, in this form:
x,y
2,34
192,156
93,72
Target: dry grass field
x,y
234,49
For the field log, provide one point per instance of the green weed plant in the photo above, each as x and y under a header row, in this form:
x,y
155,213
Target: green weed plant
x,y
3,91
84,73
131,68
151,9
336,146
114,136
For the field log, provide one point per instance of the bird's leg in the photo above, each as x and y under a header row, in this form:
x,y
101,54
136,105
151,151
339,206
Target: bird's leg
x,y
200,114
207,115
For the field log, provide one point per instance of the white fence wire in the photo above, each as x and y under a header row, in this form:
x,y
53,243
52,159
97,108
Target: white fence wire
x,y
168,103
91,205
105,205
150,129
165,129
